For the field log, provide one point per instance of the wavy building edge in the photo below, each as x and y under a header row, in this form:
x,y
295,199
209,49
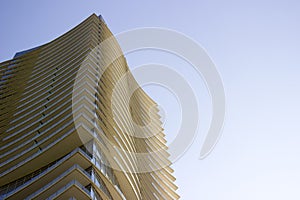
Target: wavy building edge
x,y
68,133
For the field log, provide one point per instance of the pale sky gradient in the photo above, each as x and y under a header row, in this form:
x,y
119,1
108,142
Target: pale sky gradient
x,y
255,46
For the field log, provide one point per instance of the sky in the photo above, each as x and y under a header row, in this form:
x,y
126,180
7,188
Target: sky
x,y
255,46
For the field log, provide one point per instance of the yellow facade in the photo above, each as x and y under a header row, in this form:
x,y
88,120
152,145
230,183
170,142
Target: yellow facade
x,y
67,133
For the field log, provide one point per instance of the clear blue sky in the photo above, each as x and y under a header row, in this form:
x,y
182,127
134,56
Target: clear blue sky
x,y
256,47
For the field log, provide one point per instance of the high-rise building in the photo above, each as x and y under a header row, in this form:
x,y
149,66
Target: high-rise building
x,y
75,124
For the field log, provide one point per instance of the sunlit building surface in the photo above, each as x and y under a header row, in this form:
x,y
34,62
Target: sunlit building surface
x,y
62,137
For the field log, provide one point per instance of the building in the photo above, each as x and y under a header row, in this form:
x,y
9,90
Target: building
x,y
68,133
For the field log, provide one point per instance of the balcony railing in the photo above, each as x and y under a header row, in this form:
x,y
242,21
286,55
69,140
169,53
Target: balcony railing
x,y
11,188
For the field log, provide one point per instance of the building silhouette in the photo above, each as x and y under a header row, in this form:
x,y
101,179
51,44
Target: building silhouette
x,y
70,131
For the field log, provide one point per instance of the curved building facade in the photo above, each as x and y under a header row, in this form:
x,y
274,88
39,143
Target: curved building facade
x,y
75,124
